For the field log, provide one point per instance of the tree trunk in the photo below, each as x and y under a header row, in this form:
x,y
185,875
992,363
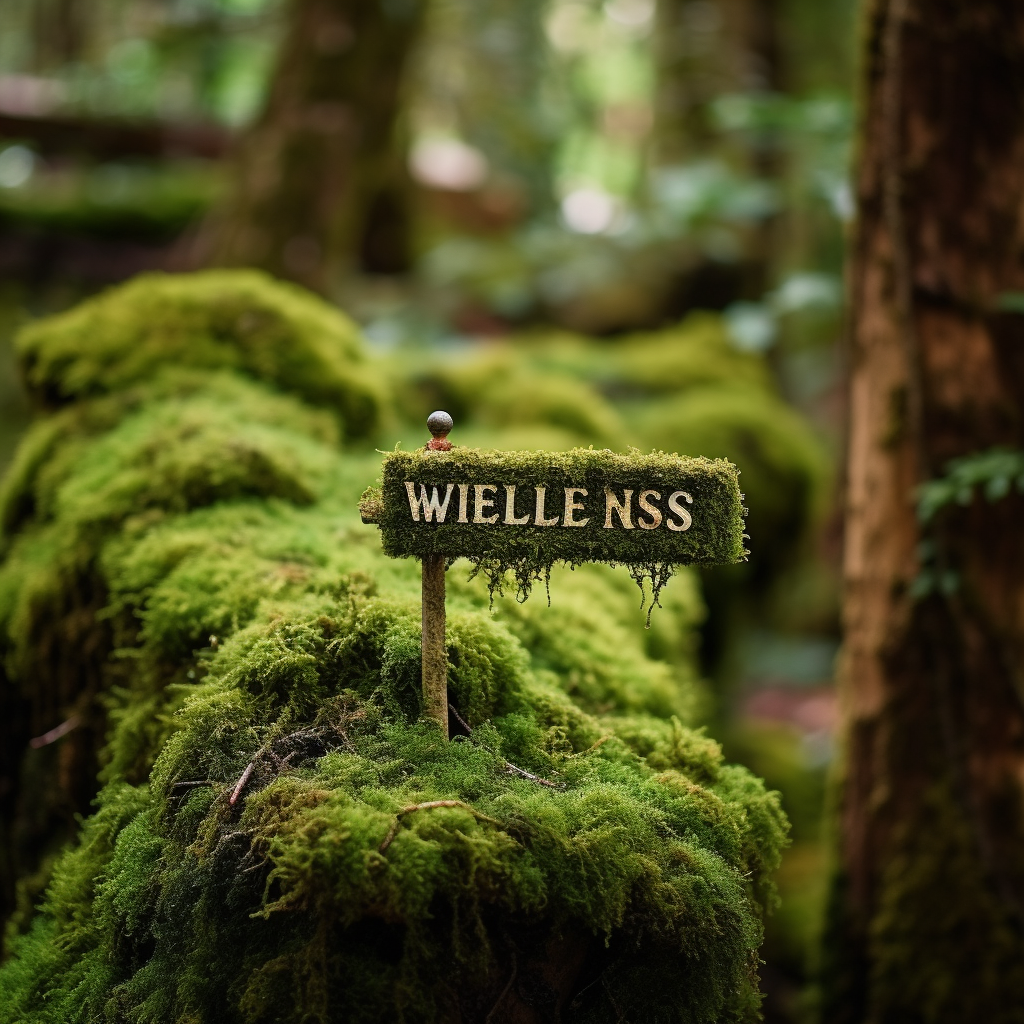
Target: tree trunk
x,y
319,185
60,33
925,919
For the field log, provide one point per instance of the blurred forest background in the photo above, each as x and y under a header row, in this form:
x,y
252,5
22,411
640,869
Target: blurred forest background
x,y
572,221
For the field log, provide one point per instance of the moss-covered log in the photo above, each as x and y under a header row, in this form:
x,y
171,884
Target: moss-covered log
x,y
278,836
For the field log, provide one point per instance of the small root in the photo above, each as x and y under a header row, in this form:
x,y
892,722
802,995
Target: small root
x,y
504,991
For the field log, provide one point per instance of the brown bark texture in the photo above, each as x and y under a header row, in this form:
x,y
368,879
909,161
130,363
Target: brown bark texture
x,y
319,184
926,916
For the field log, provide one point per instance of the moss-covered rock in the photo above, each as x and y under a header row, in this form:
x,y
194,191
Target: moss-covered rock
x,y
278,837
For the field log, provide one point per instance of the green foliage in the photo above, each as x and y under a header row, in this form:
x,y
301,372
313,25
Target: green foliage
x,y
278,838
138,201
995,472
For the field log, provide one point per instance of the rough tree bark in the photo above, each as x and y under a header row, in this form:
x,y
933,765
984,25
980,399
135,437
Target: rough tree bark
x,y
926,919
319,183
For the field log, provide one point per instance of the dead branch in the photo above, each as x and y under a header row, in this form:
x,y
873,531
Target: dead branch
x,y
281,762
291,739
513,769
458,718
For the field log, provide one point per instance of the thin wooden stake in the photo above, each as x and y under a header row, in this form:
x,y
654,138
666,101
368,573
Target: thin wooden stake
x,y
435,651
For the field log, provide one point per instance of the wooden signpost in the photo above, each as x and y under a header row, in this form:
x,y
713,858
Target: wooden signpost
x,y
523,512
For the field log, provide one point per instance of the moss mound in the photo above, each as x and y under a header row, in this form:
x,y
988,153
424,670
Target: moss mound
x,y
221,319
304,851
277,837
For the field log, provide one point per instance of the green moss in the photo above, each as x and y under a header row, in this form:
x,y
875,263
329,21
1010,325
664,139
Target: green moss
x,y
502,390
782,466
226,319
185,568
695,354
684,389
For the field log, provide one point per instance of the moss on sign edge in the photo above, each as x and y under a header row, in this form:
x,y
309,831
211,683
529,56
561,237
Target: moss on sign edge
x,y
714,503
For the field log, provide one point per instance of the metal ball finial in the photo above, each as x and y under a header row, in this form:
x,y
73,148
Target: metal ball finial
x,y
439,424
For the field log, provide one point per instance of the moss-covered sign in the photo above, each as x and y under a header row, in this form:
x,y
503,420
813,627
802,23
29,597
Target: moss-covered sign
x,y
526,511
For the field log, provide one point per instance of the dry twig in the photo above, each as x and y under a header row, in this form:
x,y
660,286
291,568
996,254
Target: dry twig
x,y
511,768
246,775
55,733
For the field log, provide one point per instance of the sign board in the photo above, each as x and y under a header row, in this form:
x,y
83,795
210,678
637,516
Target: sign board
x,y
577,506
527,511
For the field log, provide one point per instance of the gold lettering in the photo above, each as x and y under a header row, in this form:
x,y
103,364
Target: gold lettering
x,y
623,509
652,510
539,518
482,503
463,502
431,506
571,505
510,508
675,506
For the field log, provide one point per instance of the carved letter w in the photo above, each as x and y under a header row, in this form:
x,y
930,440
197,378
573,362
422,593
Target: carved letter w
x,y
429,505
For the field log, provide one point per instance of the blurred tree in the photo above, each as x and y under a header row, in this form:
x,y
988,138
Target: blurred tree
x,y
319,181
707,48
61,32
485,75
926,920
